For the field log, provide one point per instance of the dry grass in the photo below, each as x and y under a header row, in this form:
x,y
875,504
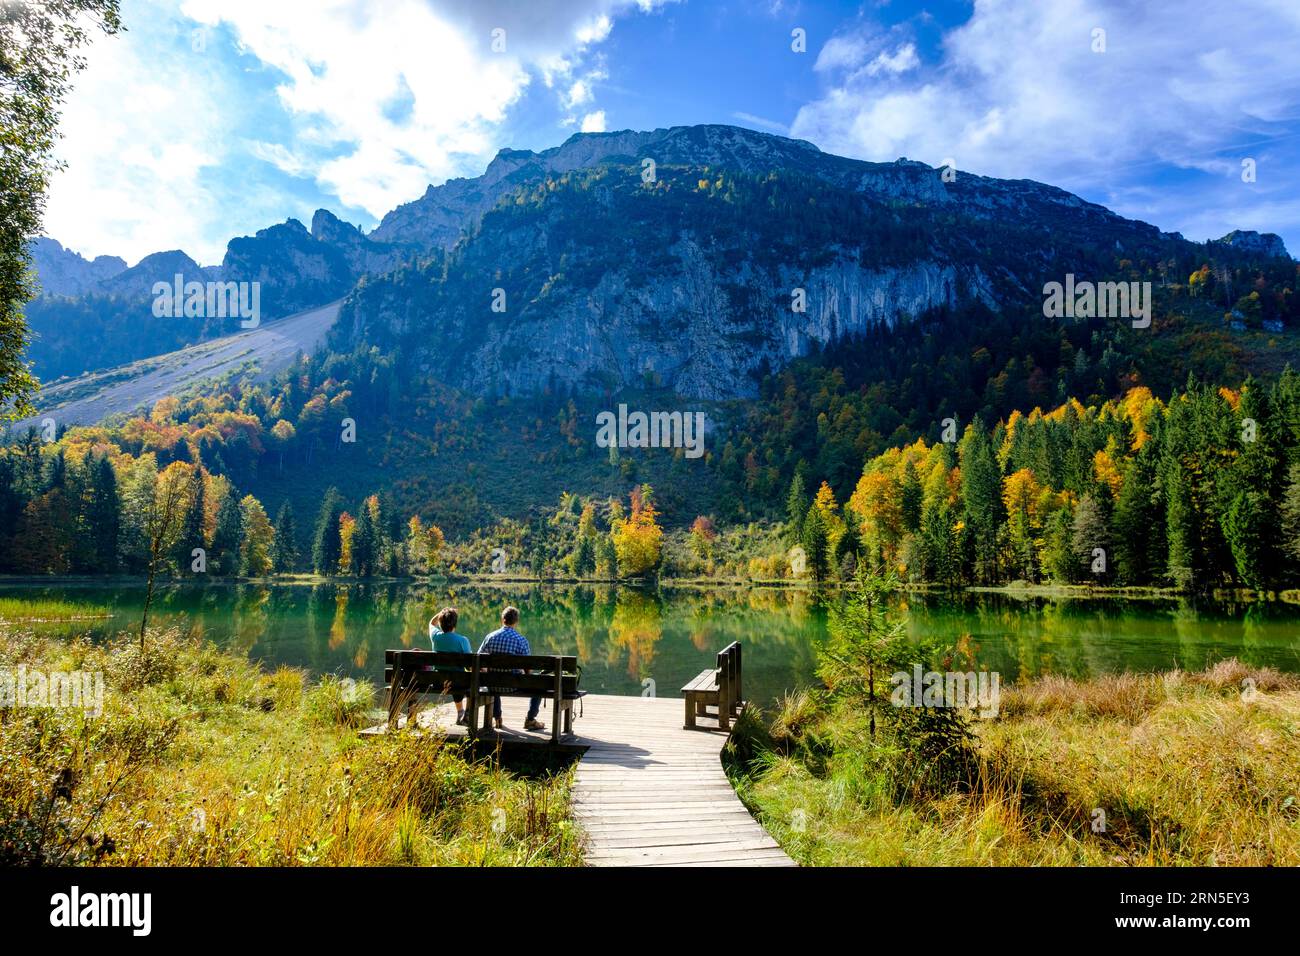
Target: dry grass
x,y
202,758
1180,768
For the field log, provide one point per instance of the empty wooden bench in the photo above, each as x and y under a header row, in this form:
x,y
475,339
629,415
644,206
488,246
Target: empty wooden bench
x,y
719,686
479,678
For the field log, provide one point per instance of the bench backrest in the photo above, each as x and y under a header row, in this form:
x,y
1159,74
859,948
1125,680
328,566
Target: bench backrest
x,y
729,671
407,671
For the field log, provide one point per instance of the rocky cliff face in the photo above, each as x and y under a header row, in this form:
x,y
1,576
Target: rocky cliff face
x,y
691,280
609,280
1268,244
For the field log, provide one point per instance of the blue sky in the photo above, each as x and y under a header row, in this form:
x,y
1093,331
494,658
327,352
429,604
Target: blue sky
x,y
210,119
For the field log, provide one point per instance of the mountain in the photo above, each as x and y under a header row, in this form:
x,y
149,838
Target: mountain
x,y
96,315
693,258
1267,244
744,252
64,272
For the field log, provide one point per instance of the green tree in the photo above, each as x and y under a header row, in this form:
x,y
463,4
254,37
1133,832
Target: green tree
x,y
39,44
102,517
816,543
227,537
981,492
1089,534
326,544
796,507
865,645
284,553
192,527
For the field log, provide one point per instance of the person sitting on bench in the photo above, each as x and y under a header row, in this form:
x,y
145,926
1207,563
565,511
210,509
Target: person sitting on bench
x,y
506,640
443,637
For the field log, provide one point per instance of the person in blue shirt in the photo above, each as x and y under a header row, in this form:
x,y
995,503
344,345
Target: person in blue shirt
x,y
506,640
443,638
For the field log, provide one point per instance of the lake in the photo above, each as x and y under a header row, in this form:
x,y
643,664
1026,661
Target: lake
x,y
631,641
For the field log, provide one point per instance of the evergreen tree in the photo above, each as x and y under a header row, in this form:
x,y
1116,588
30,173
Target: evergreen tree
x,y
981,492
103,517
364,544
583,561
796,507
1139,522
192,529
816,543
326,545
1090,533
227,537
284,553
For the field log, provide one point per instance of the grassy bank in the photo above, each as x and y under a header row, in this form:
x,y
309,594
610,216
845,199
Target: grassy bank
x,y
202,758
1181,768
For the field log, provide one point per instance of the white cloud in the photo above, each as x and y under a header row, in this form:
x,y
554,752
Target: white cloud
x,y
140,129
760,121
902,60
594,122
1018,91
374,101
349,60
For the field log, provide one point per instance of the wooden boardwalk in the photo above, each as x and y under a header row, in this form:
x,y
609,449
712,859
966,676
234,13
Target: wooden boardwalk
x,y
647,791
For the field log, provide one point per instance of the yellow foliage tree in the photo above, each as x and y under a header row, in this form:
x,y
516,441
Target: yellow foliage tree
x,y
638,539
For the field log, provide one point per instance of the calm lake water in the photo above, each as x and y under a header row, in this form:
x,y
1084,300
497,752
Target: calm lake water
x,y
625,637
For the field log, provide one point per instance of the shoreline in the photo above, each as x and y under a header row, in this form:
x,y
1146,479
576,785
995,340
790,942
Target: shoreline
x,y
1020,590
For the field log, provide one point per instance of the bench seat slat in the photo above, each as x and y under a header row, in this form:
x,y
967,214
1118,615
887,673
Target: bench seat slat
x,y
704,681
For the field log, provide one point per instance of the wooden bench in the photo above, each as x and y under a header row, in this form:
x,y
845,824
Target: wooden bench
x,y
479,678
719,686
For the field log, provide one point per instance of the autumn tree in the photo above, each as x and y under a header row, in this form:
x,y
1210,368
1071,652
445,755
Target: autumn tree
x,y
163,521
638,538
258,540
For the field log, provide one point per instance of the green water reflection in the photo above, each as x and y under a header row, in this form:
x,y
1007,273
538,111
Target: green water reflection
x,y
625,638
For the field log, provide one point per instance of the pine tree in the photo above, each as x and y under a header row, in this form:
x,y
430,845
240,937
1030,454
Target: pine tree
x,y
103,517
284,555
227,538
1139,522
326,545
364,540
192,530
981,488
796,507
816,543
1090,533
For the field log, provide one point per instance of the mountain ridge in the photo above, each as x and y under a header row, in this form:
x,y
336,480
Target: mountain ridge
x,y
301,268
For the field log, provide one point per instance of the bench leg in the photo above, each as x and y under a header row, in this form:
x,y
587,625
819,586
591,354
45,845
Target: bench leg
x,y
568,717
724,718
555,720
701,707
691,704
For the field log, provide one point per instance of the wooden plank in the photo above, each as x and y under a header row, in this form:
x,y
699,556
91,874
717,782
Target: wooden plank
x,y
647,792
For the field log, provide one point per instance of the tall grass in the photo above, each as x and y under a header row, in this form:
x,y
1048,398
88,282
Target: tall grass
x,y
40,610
1152,769
203,758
